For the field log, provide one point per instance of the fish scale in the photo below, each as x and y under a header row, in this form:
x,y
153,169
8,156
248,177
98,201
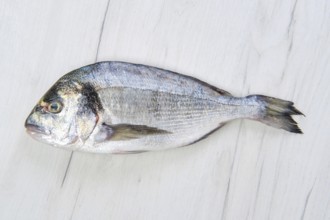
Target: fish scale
x,y
188,108
189,120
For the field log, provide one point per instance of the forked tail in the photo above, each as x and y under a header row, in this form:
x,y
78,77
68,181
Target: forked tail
x,y
277,113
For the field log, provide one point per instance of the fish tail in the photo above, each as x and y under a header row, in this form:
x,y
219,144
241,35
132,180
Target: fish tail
x,y
277,113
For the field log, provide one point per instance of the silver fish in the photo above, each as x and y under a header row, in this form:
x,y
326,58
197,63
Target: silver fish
x,y
118,107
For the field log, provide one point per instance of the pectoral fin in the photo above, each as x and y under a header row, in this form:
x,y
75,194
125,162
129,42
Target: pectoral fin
x,y
121,132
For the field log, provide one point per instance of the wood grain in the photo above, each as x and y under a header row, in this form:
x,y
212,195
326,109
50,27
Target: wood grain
x,y
244,171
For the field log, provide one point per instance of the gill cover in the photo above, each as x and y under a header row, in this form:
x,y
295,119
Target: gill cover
x,y
89,107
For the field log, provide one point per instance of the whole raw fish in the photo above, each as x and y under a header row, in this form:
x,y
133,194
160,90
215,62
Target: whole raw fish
x,y
118,107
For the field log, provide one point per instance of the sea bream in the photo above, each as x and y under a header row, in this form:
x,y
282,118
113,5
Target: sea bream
x,y
118,107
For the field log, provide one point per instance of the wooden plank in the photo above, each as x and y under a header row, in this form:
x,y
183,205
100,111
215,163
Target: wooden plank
x,y
244,171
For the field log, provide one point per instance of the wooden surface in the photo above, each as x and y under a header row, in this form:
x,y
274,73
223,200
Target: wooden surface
x,y
246,170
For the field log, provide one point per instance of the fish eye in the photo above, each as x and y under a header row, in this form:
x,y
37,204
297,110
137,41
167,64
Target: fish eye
x,y
55,107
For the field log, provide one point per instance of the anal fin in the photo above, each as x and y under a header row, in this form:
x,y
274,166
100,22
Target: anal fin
x,y
206,135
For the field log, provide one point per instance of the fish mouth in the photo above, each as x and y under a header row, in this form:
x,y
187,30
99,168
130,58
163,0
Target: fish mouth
x,y
34,129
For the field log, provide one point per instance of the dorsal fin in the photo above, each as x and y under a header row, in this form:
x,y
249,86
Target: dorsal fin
x,y
222,92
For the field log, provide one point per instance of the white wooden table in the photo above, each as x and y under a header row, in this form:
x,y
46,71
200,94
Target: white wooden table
x,y
246,170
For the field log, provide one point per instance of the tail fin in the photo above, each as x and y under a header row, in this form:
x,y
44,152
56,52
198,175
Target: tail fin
x,y
277,113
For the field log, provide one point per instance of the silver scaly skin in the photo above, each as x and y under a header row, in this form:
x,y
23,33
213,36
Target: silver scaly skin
x,y
117,107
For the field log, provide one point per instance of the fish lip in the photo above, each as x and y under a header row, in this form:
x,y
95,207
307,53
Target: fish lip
x,y
35,129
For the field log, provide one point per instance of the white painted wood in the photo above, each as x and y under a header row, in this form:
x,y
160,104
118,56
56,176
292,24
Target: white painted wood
x,y
244,171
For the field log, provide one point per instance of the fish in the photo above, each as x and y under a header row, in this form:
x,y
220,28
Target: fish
x,y
119,107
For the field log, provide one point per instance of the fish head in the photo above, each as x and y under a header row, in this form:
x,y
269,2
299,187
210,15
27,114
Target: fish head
x,y
64,116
